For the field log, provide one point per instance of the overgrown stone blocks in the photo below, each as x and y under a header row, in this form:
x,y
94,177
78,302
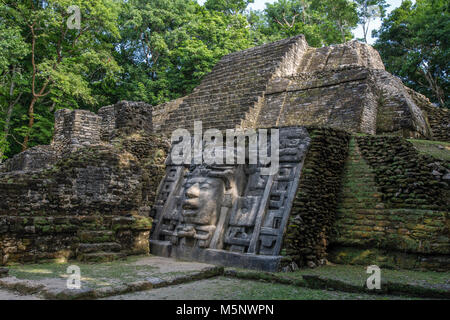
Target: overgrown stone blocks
x,y
125,117
85,198
393,210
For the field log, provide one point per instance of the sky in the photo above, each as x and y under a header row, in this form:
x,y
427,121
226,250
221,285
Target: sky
x,y
260,5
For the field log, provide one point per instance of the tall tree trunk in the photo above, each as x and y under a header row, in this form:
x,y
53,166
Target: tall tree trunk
x,y
35,96
30,123
365,30
11,105
343,33
433,85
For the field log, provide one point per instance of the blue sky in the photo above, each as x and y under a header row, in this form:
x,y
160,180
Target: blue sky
x,y
260,5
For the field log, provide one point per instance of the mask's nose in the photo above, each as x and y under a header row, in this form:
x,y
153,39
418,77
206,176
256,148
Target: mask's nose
x,y
193,191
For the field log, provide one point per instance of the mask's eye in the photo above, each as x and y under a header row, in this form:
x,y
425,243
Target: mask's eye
x,y
205,185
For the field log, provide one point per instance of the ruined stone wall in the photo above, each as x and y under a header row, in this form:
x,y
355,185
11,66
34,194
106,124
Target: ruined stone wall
x,y
344,87
35,158
397,113
125,117
74,129
162,112
314,208
351,97
92,200
394,207
335,99
43,213
438,118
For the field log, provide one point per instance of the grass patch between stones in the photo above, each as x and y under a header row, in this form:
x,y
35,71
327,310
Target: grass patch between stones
x,y
437,149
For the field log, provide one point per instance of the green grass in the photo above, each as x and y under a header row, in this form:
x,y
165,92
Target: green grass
x,y
437,149
222,288
94,275
254,290
357,275
127,271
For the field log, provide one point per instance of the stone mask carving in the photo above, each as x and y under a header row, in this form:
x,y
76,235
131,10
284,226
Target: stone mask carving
x,y
200,207
203,197
228,209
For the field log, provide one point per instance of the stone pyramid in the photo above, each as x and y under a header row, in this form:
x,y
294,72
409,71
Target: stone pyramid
x,y
289,83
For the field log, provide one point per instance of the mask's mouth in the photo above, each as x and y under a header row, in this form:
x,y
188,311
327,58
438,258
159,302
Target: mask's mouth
x,y
191,204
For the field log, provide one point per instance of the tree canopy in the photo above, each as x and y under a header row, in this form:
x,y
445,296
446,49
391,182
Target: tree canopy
x,y
414,44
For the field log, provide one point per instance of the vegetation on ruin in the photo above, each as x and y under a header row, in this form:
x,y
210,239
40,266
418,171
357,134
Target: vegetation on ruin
x,y
414,44
437,149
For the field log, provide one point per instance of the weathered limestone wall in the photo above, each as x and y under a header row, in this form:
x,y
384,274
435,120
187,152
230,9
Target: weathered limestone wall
x,y
90,193
337,99
35,158
314,207
92,200
394,208
44,213
438,118
343,87
398,113
75,128
162,112
125,117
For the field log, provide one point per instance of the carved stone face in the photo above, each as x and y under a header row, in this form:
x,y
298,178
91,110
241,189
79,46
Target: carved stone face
x,y
203,198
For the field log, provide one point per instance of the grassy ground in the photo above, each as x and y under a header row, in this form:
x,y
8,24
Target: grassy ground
x,y
222,288
437,149
357,275
135,269
96,275
108,274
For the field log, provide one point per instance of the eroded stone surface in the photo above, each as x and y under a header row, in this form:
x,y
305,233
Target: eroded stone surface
x,y
88,194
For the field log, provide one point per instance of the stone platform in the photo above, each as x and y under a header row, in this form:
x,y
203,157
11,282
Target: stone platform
x,y
157,278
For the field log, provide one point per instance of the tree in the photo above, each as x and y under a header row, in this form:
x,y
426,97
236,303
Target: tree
x,y
63,65
322,22
369,10
232,7
342,14
12,49
171,44
414,44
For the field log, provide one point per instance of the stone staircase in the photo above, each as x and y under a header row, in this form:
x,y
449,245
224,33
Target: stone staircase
x,y
233,87
98,246
361,201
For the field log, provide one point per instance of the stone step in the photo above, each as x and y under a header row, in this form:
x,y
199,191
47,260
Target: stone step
x,y
97,247
4,272
100,257
96,236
